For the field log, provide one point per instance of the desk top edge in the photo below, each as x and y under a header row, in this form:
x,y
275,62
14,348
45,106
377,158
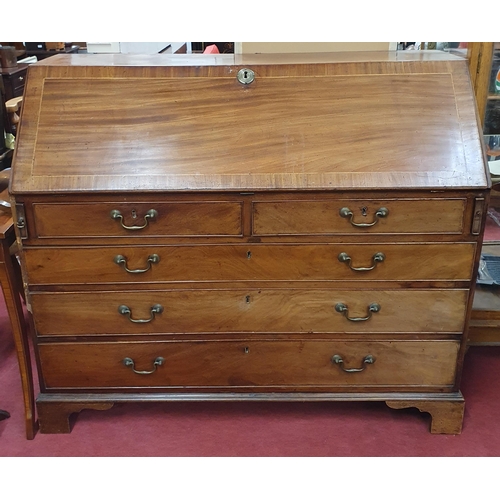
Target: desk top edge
x,y
245,59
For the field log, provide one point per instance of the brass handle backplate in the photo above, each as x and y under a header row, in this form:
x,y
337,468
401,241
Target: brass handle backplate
x,y
378,257
380,213
150,214
131,363
343,309
125,310
367,360
122,261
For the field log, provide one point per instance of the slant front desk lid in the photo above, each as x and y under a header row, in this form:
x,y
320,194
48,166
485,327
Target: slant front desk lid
x,y
321,121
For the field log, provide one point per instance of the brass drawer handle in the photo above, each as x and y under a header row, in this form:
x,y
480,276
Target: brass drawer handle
x,y
130,362
125,310
343,309
150,214
378,257
122,261
381,212
367,360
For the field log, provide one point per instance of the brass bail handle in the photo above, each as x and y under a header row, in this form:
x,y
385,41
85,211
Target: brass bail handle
x,y
131,363
378,257
122,261
150,215
380,213
125,310
367,360
343,309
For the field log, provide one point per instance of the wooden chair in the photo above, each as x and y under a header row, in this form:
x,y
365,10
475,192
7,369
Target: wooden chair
x,y
13,108
13,291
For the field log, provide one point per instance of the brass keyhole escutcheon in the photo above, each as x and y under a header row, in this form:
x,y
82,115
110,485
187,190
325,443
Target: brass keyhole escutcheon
x,y
245,76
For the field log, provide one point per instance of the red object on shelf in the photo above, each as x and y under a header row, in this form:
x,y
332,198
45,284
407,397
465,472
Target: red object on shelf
x,y
211,49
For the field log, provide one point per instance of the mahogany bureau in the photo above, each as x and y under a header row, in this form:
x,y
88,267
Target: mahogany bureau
x,y
283,228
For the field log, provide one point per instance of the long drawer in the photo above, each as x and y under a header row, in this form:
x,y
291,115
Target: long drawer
x,y
252,310
255,262
317,365
359,216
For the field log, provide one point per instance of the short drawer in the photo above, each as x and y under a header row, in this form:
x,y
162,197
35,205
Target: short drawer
x,y
250,311
314,365
255,262
207,218
359,216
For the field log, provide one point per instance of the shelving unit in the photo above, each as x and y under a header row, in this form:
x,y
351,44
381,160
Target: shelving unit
x,y
484,60
484,63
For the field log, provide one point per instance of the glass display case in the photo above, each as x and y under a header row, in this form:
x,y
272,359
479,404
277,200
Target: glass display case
x,y
491,80
484,66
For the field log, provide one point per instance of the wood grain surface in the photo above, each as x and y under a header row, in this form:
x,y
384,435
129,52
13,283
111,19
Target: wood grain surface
x,y
409,262
407,125
261,311
252,255
267,365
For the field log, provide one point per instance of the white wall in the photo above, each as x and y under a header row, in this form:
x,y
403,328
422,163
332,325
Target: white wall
x,y
286,47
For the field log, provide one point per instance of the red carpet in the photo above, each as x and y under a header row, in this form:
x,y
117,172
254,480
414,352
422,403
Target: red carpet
x,y
258,429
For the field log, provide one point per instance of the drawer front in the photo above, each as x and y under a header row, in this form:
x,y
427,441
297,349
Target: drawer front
x,y
249,364
255,310
209,218
18,91
384,216
18,82
14,84
404,262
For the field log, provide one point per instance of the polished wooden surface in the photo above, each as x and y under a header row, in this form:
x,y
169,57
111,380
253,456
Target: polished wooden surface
x,y
271,365
248,183
320,217
312,216
255,262
195,218
212,218
199,128
251,310
196,60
